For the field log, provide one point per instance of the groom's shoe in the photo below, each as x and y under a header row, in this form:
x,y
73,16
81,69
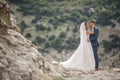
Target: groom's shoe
x,y
98,69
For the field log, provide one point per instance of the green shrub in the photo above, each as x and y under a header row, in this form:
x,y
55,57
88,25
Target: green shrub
x,y
75,14
51,37
62,35
64,18
47,45
43,50
59,11
52,8
28,35
39,40
67,29
104,17
114,43
48,29
55,27
83,18
23,25
36,19
51,20
40,27
54,22
47,35
75,19
72,43
58,44
75,29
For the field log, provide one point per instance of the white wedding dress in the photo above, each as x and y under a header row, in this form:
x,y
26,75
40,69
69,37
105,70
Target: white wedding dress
x,y
83,57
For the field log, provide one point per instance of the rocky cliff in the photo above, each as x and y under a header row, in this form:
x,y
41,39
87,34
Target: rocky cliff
x,y
19,58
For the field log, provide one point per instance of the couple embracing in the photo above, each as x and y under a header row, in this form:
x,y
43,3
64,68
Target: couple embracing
x,y
85,56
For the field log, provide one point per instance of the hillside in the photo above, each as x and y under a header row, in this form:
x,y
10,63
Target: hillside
x,y
20,59
53,26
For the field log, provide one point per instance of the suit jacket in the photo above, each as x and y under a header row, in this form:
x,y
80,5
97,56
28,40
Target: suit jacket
x,y
93,37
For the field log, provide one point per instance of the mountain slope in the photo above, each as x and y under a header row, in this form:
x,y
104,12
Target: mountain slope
x,y
19,58
57,30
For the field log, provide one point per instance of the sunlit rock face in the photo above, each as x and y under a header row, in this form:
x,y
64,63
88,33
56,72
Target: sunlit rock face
x,y
19,60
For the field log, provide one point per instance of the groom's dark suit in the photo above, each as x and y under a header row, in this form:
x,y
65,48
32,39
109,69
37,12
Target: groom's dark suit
x,y
95,44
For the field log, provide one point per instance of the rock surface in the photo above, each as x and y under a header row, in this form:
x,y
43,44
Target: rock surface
x,y
19,60
97,75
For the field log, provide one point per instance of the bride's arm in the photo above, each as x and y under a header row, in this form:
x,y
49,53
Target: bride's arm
x,y
90,32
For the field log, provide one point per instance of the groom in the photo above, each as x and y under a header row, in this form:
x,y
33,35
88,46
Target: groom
x,y
94,42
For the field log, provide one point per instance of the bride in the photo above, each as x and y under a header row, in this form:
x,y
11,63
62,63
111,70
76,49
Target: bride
x,y
83,57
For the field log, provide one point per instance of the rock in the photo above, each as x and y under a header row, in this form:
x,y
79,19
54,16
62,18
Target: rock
x,y
91,11
117,24
55,62
14,22
21,61
116,69
96,75
57,77
4,17
19,58
3,27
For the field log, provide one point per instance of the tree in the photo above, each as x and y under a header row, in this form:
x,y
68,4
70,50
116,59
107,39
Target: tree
x,y
51,37
47,45
40,27
62,35
48,29
75,14
28,35
114,43
34,20
58,44
72,43
23,25
75,29
39,40
104,17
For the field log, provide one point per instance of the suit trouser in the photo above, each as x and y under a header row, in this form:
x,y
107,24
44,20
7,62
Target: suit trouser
x,y
95,50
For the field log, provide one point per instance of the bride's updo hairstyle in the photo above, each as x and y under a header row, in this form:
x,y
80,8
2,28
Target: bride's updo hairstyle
x,y
93,21
87,25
